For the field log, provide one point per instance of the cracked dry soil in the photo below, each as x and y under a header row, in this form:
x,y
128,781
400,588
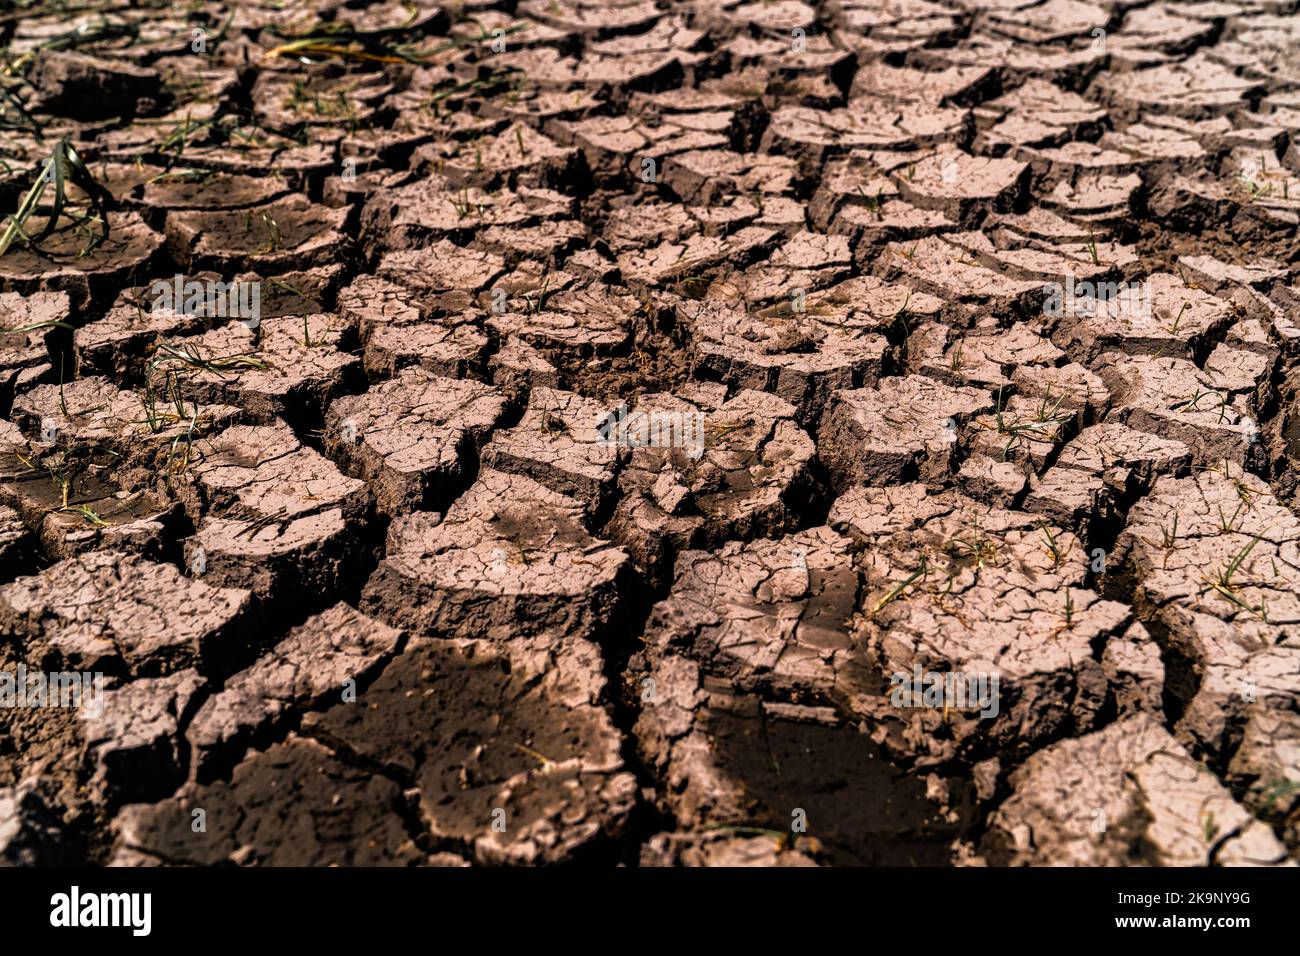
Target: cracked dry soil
x,y
367,583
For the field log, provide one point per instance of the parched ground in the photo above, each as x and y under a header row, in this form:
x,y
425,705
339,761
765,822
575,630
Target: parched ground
x,y
372,578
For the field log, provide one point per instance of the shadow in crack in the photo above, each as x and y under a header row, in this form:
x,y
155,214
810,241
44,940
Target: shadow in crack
x,y
861,808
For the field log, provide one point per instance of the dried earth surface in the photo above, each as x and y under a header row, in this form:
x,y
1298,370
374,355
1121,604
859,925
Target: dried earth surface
x,y
652,432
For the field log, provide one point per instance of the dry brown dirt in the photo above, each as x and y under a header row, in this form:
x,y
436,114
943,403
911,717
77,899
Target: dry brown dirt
x,y
651,432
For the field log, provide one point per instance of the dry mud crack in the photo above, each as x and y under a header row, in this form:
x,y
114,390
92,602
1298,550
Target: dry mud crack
x,y
662,433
